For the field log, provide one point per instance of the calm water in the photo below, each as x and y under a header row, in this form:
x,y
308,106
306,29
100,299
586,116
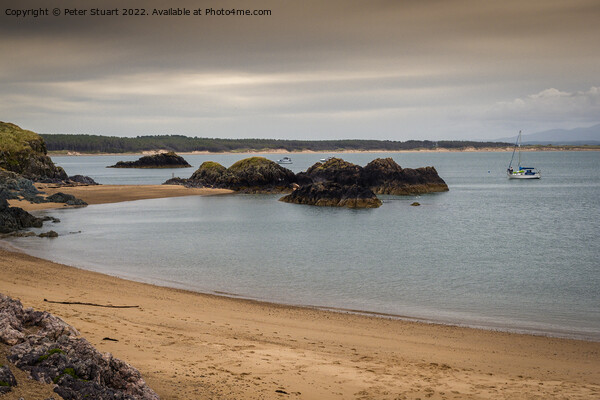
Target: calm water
x,y
493,253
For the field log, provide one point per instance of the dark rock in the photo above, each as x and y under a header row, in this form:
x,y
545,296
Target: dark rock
x,y
385,176
15,218
184,182
415,204
68,199
333,170
334,195
7,379
250,175
50,351
49,234
13,186
161,160
83,180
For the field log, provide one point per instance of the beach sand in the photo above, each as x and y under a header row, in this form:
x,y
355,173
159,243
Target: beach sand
x,y
196,346
199,346
114,193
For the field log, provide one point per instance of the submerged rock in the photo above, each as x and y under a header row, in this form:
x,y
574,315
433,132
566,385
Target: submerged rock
x,y
50,351
333,194
161,160
49,234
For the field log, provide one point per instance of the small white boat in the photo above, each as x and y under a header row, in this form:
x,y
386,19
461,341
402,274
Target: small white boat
x,y
285,160
325,159
521,172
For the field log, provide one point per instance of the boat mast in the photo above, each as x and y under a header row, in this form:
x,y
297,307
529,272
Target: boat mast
x,y
519,140
513,154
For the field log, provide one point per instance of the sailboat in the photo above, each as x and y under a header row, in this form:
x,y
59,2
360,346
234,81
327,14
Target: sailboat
x,y
521,172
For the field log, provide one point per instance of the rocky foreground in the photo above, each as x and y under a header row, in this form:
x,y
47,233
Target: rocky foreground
x,y
52,352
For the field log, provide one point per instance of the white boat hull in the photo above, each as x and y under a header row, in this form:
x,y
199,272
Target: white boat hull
x,y
518,175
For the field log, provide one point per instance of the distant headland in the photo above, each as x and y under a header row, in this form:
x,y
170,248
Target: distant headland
x,y
97,144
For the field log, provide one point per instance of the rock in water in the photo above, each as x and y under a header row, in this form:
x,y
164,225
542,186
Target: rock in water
x,y
161,160
334,195
250,175
385,176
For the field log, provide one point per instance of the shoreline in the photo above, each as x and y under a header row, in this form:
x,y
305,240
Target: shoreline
x,y
203,345
193,345
62,153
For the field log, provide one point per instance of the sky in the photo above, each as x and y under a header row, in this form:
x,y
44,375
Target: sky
x,y
328,69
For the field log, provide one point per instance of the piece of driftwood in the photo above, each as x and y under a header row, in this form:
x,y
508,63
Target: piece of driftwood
x,y
88,304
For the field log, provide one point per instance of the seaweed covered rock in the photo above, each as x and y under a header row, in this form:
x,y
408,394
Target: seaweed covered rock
x,y
385,176
250,175
161,160
51,351
210,173
24,152
333,194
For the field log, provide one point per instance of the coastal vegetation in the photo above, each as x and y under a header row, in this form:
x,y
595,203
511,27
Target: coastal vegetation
x,y
24,152
179,143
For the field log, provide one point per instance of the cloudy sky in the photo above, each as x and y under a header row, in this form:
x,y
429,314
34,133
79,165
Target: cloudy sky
x,y
326,69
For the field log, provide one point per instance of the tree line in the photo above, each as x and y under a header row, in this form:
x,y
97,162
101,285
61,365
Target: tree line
x,y
180,143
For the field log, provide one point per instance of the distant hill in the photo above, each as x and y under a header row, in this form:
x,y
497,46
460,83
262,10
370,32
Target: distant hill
x,y
577,136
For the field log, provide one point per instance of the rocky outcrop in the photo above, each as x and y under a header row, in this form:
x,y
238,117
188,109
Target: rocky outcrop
x,y
333,170
15,218
24,152
385,176
81,180
250,175
51,351
68,199
339,183
334,195
14,186
161,160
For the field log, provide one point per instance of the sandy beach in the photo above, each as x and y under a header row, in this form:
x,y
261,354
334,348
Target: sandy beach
x,y
102,194
196,346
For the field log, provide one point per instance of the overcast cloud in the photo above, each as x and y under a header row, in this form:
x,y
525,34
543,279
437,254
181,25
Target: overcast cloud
x,y
383,69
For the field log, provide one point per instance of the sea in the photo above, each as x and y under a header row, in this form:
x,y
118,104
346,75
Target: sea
x,y
493,253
